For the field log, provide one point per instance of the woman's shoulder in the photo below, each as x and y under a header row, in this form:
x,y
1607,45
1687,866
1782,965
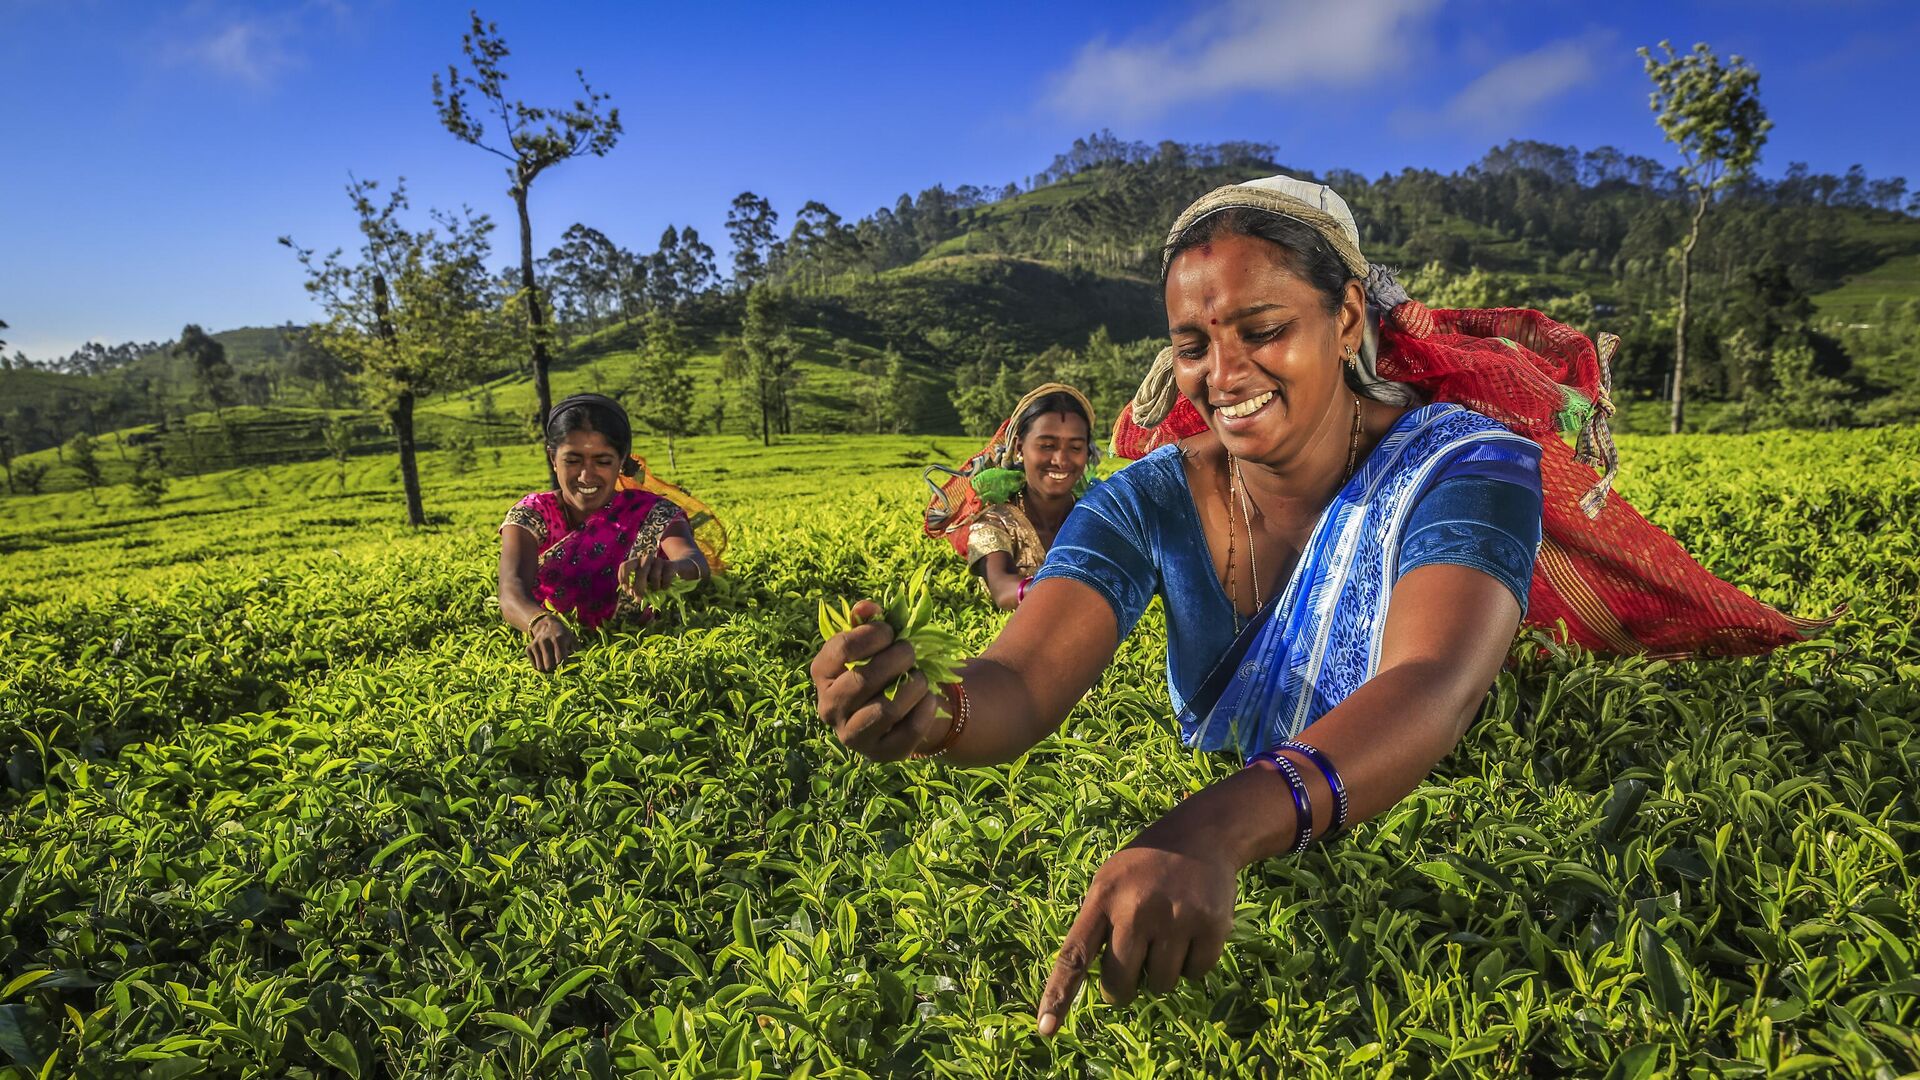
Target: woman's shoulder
x,y
1002,516
1158,474
539,513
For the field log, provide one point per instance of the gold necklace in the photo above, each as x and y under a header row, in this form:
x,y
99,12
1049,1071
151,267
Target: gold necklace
x,y
1236,480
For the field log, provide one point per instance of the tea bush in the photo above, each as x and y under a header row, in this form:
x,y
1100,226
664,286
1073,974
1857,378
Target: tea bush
x,y
284,799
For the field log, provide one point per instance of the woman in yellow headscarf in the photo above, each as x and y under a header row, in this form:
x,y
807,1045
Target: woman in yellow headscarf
x,y
1003,510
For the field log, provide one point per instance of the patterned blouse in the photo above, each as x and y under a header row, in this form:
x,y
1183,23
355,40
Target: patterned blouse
x,y
1003,527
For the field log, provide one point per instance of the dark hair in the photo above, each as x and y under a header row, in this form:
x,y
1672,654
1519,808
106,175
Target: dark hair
x,y
1307,253
590,412
1057,402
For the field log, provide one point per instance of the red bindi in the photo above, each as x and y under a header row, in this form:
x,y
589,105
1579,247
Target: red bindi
x,y
1215,322
1206,248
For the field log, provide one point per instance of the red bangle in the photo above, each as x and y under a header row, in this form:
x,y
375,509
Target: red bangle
x,y
1020,594
960,712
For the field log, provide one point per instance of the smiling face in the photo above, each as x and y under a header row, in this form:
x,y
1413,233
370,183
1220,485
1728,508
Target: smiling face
x,y
1256,350
1054,453
586,465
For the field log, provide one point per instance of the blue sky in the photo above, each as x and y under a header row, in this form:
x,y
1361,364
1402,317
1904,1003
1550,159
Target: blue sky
x,y
154,151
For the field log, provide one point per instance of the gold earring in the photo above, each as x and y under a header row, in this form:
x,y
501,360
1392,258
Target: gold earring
x,y
1353,358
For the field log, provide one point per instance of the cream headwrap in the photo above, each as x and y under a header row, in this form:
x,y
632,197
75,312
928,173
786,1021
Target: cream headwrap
x,y
1321,209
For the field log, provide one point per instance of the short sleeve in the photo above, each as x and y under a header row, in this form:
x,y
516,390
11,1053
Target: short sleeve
x,y
1483,512
526,514
983,539
1105,544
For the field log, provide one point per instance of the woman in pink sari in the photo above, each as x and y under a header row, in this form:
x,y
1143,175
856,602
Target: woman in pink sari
x,y
591,549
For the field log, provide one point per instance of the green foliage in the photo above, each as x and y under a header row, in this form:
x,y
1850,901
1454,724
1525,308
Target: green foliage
x,y
662,397
908,609
30,475
281,796
763,364
211,372
149,482
462,455
80,454
1710,111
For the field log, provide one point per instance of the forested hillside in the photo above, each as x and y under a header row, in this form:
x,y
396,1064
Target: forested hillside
x,y
932,313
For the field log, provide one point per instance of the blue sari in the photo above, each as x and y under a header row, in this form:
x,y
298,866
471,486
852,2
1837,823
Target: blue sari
x,y
1445,485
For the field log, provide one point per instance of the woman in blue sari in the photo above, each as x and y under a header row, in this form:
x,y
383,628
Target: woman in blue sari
x,y
1343,570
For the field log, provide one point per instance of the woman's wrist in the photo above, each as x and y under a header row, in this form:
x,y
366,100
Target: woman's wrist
x,y
1242,819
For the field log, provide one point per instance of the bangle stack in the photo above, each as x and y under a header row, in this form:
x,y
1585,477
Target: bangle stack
x,y
1276,760
1338,786
961,710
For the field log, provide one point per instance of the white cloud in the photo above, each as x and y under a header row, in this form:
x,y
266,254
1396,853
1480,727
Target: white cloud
x,y
250,50
1239,46
250,47
1509,90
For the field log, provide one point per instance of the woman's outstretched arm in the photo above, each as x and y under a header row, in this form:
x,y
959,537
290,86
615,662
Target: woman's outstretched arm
x,y
997,569
1049,654
1163,906
549,640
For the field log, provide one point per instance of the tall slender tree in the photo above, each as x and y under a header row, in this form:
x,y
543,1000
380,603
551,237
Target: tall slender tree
x,y
1711,112
410,312
663,402
211,372
81,450
763,361
536,139
751,224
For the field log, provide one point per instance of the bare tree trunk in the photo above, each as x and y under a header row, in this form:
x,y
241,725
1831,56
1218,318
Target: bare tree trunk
x,y
536,313
1678,416
401,414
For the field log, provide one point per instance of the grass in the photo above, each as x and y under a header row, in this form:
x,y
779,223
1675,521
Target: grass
x,y
283,798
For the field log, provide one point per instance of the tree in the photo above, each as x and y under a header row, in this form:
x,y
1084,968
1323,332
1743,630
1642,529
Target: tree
x,y
30,474
1711,112
536,140
763,361
462,454
149,481
87,462
751,224
330,380
663,401
337,436
6,457
409,312
211,372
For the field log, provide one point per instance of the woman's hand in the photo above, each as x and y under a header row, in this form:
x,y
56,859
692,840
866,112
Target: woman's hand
x,y
549,643
1159,909
853,700
641,575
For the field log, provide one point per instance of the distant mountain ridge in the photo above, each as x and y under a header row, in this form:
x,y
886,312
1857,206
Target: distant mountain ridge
x,y
981,281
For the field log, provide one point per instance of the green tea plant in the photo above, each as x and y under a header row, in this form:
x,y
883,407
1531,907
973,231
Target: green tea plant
x,y
937,650
280,796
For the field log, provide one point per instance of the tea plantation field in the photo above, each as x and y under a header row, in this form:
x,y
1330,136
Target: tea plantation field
x,y
282,798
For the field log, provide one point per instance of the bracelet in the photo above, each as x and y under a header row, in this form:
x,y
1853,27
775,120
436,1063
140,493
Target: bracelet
x,y
961,710
1302,805
1020,594
535,621
1339,787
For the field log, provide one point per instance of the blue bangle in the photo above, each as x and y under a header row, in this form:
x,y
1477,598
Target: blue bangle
x,y
1302,805
1325,764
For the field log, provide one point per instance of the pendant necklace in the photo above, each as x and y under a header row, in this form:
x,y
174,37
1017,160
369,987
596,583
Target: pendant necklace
x,y
1237,485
